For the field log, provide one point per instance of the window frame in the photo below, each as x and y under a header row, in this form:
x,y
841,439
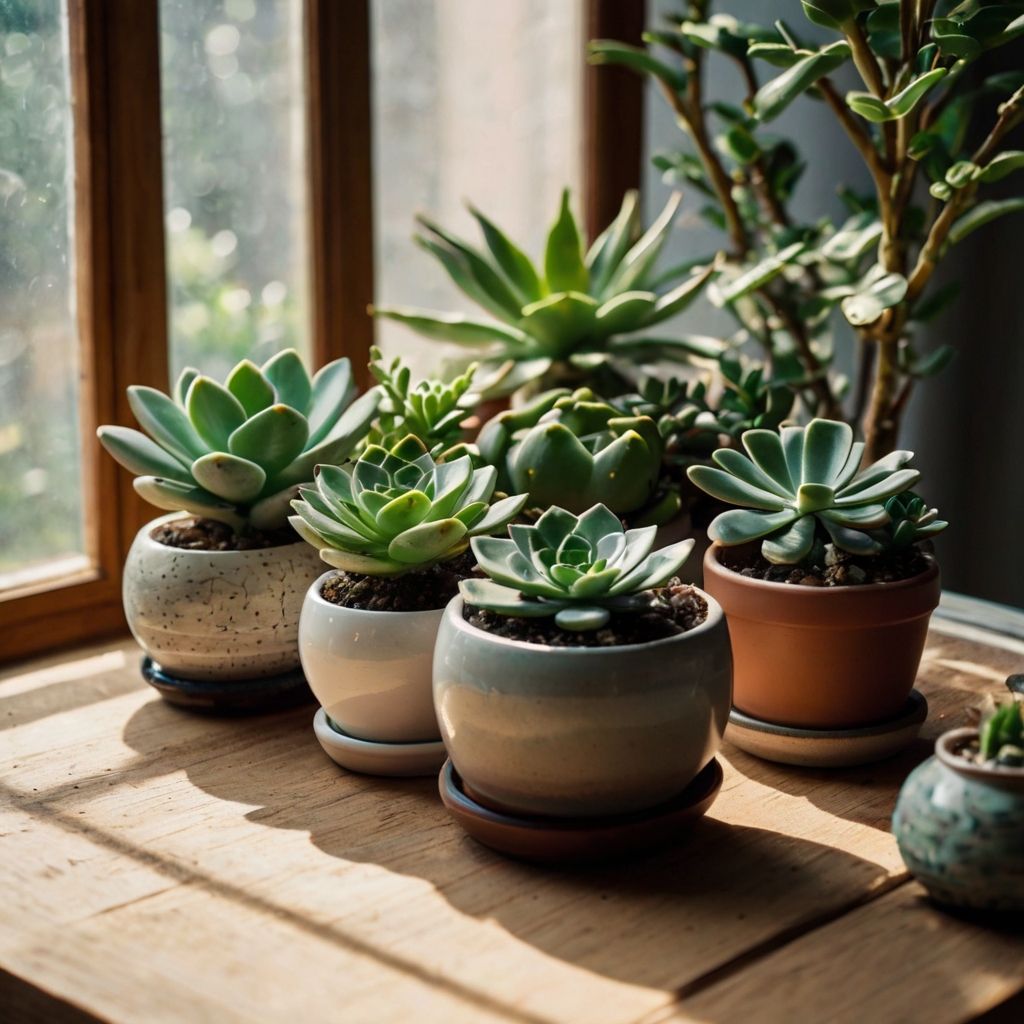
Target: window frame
x,y
121,282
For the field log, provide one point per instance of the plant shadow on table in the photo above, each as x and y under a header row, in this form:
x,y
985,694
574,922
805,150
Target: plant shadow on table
x,y
720,890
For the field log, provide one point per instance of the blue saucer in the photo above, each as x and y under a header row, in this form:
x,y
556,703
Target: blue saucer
x,y
230,697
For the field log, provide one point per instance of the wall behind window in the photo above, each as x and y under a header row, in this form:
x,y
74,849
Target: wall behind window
x,y
479,101
967,425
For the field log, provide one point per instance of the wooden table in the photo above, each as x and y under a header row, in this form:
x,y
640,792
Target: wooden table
x,y
158,866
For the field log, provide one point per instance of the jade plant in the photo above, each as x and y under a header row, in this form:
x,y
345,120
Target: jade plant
x,y
574,450
237,452
575,319
395,512
1001,736
577,569
806,478
925,97
429,409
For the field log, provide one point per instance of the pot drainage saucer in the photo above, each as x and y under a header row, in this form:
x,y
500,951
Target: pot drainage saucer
x,y
828,748
230,696
372,758
576,840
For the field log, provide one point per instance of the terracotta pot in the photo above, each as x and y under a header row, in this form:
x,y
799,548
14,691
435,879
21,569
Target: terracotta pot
x,y
823,657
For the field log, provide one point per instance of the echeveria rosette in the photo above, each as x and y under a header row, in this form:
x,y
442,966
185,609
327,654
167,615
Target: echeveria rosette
x,y
912,520
577,569
798,478
429,409
574,451
395,512
579,310
237,452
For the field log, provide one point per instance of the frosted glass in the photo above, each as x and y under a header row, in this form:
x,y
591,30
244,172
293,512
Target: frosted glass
x,y
471,100
41,528
234,180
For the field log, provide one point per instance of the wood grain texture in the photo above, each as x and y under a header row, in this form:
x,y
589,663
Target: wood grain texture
x,y
613,111
122,312
231,872
341,177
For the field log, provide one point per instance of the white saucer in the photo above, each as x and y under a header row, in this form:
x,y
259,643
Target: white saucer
x,y
378,758
828,748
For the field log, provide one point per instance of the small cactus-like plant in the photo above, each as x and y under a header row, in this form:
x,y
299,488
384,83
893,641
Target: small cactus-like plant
x,y
574,450
568,318
237,452
804,478
1001,735
577,569
395,512
429,409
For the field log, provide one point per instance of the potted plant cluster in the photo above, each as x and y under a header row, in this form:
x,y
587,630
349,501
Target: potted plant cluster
x,y
959,820
825,574
212,592
395,526
580,679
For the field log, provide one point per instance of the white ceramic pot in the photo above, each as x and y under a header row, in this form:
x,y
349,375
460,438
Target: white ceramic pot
x,y
217,614
370,671
577,731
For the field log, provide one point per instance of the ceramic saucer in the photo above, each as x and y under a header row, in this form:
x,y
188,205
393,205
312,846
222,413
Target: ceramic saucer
x,y
576,840
828,748
230,696
377,758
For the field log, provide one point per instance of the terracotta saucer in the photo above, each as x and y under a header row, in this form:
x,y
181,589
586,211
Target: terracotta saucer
x,y
370,758
828,748
578,840
230,696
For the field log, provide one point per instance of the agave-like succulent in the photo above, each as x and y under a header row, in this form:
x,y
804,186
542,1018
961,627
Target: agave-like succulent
x,y
577,569
807,476
395,512
582,311
911,519
574,451
429,409
237,452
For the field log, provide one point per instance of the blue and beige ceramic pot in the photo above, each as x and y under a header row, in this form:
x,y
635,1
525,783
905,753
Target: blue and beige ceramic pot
x,y
580,731
960,829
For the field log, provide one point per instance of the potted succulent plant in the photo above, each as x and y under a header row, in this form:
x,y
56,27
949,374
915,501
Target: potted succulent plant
x,y
395,526
579,320
959,819
580,679
213,591
826,575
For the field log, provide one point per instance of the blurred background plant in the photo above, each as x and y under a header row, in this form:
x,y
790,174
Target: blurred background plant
x,y
924,84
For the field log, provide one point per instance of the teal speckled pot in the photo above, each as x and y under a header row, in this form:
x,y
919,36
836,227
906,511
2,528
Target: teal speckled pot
x,y
960,829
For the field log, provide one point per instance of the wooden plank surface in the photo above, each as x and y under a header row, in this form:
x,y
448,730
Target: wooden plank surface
x,y
161,866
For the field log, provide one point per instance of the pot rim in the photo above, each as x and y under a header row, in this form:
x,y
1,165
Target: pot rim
x,y
1001,777
143,537
715,615
859,588
314,595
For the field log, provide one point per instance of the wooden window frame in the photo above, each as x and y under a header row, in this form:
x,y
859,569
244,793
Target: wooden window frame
x,y
119,240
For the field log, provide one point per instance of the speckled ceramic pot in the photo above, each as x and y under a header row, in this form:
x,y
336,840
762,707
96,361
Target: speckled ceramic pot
x,y
960,829
370,671
217,614
580,731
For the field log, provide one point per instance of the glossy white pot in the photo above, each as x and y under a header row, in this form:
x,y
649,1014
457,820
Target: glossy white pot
x,y
217,614
370,671
578,731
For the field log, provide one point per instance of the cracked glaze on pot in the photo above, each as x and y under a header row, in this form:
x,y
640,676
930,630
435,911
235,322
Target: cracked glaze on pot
x,y
370,671
217,614
580,731
960,829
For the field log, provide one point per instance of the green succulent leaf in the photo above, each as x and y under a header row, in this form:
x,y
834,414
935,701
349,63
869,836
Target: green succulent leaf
x,y
740,525
214,411
773,97
247,383
506,600
332,393
866,306
626,312
516,265
1001,165
726,487
610,51
791,544
229,477
563,259
982,214
184,382
291,382
272,438
166,423
760,274
631,273
139,455
613,243
177,497
454,327
580,619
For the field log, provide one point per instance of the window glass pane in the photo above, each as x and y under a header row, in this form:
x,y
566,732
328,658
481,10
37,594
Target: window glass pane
x,y
234,180
41,530
472,100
